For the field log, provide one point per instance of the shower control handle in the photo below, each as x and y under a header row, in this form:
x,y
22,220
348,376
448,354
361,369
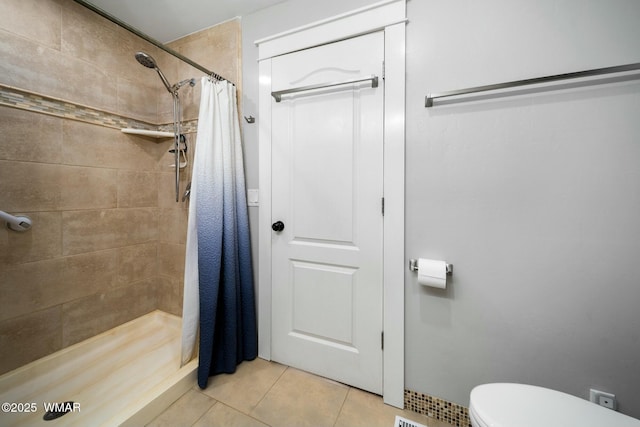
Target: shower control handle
x,y
277,226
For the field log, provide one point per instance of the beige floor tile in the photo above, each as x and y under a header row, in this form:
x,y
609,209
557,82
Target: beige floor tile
x,y
247,386
221,415
263,393
301,399
184,411
368,410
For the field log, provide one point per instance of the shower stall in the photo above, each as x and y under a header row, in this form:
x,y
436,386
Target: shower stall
x,y
122,377
91,292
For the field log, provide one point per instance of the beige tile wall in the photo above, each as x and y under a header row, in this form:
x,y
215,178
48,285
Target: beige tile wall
x,y
218,49
107,243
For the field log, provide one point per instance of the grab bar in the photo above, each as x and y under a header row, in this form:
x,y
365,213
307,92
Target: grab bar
x,y
277,95
16,223
588,73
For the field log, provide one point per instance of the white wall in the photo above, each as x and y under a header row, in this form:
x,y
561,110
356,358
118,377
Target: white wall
x,y
534,199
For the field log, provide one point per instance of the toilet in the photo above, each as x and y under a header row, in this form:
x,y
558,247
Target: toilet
x,y
521,405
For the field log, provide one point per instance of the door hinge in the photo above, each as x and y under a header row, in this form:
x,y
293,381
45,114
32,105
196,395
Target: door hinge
x,y
382,206
382,340
383,70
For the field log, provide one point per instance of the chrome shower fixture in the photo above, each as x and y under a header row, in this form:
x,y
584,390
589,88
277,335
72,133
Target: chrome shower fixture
x,y
148,61
177,86
187,192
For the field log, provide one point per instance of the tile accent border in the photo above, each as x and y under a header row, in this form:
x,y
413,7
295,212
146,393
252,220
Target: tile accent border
x,y
188,126
437,408
37,103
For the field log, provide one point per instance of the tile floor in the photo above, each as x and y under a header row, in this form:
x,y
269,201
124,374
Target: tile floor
x,y
263,393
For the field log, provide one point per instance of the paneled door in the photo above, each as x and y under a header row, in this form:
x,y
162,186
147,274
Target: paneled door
x,y
327,210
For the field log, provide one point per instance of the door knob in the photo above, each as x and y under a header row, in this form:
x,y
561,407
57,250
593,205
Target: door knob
x,y
277,226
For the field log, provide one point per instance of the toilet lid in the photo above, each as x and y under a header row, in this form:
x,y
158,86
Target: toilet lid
x,y
521,405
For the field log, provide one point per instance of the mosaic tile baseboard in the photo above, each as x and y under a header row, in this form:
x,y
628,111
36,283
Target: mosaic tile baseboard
x,y
437,408
25,100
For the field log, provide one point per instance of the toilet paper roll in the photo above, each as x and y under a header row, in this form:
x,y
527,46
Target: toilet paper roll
x,y
432,273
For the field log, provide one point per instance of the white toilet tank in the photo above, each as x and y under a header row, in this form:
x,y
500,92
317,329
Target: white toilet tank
x,y
521,405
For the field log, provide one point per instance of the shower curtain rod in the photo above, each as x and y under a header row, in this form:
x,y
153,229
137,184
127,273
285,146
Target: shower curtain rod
x,y
588,73
150,40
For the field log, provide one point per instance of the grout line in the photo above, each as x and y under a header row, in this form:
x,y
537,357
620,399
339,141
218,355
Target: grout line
x,y
215,402
167,408
346,396
245,414
272,385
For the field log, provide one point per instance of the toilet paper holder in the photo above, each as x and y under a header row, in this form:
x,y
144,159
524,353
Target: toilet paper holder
x,y
413,266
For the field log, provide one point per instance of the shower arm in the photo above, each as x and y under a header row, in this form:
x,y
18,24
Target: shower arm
x,y
165,81
177,86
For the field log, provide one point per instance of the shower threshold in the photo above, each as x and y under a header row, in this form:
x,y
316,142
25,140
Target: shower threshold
x,y
125,376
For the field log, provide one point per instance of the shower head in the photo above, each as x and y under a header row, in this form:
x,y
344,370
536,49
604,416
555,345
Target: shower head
x,y
148,61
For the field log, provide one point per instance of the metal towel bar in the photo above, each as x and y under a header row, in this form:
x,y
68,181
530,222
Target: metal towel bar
x,y
588,73
277,95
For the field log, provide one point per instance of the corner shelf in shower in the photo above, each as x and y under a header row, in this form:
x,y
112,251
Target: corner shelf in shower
x,y
147,132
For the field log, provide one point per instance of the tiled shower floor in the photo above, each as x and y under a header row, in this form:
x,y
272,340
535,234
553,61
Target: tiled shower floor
x,y
263,393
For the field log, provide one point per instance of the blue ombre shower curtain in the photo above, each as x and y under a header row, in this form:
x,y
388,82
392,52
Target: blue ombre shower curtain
x,y
218,281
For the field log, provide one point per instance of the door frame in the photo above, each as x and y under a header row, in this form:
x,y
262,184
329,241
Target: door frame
x,y
388,16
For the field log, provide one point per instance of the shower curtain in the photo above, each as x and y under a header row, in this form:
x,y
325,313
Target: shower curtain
x,y
218,280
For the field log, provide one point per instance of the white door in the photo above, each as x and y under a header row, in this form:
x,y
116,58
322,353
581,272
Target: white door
x,y
327,189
